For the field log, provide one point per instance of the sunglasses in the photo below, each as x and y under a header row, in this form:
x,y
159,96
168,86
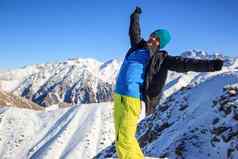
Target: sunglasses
x,y
154,40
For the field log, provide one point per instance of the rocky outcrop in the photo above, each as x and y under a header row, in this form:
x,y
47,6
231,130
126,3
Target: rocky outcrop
x,y
10,100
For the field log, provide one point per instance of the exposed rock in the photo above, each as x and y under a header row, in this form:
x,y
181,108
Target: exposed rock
x,y
10,100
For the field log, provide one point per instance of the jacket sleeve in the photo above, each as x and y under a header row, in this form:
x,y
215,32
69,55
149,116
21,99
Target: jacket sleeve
x,y
134,29
181,64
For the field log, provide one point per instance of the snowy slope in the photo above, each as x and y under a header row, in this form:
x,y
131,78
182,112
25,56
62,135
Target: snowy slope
x,y
182,126
80,131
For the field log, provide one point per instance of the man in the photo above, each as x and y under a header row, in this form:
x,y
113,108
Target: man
x,y
142,77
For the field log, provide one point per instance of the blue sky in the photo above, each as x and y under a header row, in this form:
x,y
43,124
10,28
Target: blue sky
x,y
42,31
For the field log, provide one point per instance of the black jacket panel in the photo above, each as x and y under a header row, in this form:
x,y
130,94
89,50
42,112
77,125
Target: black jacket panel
x,y
134,30
155,78
181,64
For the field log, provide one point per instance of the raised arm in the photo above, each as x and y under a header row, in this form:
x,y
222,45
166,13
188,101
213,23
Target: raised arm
x,y
134,30
181,64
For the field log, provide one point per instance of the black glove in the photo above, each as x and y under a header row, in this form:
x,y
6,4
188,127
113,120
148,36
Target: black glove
x,y
217,64
138,10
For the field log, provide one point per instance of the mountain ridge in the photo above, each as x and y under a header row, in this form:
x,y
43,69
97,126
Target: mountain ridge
x,y
77,80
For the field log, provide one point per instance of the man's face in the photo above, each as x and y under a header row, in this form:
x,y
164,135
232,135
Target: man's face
x,y
153,41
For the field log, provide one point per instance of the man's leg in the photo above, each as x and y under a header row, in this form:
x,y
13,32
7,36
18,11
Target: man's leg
x,y
117,113
126,114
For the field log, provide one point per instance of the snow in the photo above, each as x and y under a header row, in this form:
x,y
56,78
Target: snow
x,y
188,110
8,86
40,73
86,130
200,100
52,107
56,82
80,131
109,70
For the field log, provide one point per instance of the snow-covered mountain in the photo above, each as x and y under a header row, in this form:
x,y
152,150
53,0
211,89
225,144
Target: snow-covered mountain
x,y
70,82
197,117
78,80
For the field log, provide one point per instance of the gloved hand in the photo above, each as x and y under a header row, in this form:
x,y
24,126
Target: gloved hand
x,y
138,10
217,64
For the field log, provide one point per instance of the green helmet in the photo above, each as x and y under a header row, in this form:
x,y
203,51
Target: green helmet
x,y
163,35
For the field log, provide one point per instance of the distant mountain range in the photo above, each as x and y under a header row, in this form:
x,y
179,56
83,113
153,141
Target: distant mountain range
x,y
70,82
73,81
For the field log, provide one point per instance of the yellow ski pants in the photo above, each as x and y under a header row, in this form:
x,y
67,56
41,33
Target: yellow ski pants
x,y
126,115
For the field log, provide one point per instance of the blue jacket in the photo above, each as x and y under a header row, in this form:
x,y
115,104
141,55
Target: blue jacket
x,y
132,73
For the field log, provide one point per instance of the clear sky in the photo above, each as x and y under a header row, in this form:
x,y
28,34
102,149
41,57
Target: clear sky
x,y
40,31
